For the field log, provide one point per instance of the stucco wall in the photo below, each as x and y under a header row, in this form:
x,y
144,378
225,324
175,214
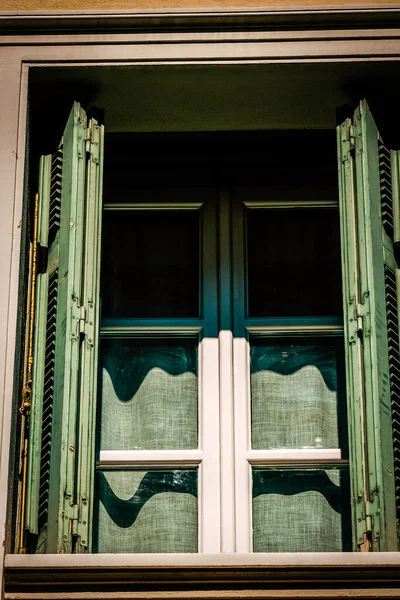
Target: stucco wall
x,y
19,5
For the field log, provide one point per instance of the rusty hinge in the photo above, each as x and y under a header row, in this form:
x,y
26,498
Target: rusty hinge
x,y
366,546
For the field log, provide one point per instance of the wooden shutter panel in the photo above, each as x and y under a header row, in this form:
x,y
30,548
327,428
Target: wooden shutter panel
x,y
90,344
395,374
353,344
43,368
370,310
52,450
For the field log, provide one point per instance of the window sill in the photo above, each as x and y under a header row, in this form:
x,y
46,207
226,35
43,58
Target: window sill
x,y
205,576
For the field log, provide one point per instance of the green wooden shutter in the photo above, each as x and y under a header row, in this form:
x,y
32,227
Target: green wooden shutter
x,y
43,367
61,438
371,327
90,343
353,344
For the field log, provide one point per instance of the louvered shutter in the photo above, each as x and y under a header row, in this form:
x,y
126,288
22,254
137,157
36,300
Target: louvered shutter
x,y
61,422
371,326
43,365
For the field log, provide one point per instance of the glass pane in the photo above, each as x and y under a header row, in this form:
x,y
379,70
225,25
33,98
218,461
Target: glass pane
x,y
150,264
148,394
297,398
146,511
293,263
301,510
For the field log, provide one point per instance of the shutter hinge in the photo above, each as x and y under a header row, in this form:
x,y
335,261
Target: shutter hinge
x,y
75,516
82,322
79,527
359,325
371,534
364,318
366,545
92,144
82,319
348,140
78,319
360,319
352,137
88,139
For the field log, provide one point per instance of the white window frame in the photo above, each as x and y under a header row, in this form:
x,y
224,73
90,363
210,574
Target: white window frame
x,y
206,457
245,457
21,52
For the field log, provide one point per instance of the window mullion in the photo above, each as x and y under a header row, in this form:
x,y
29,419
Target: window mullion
x,y
227,479
209,414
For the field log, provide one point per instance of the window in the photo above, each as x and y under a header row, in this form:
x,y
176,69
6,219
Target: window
x,y
217,385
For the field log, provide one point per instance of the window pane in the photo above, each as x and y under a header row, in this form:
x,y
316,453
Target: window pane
x,y
293,263
146,511
297,398
301,510
148,394
150,264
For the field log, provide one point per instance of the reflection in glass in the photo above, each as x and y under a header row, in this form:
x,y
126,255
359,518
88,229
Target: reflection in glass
x,y
293,258
150,265
298,510
146,511
148,394
296,394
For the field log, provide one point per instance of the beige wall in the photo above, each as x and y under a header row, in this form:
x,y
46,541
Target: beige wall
x,y
17,5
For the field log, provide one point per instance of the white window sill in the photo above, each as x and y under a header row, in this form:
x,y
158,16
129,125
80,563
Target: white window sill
x,y
302,576
303,559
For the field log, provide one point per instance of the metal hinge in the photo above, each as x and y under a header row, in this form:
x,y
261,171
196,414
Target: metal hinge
x,y
79,529
352,137
366,545
92,145
82,322
348,140
79,322
88,139
359,325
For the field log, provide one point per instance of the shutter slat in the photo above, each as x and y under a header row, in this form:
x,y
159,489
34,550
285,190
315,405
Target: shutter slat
x,y
385,178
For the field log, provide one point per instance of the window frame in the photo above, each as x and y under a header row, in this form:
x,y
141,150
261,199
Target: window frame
x,y
205,458
246,328
333,42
